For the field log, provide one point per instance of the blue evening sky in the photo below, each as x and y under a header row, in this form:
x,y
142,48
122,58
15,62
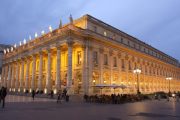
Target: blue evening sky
x,y
156,22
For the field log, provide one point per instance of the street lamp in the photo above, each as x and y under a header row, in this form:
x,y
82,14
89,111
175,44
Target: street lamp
x,y
137,72
169,79
94,82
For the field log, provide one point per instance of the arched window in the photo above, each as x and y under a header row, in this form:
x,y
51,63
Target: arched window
x,y
122,64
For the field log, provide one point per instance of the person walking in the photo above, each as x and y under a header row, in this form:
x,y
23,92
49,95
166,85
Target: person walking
x,y
65,92
33,94
3,96
59,96
52,94
67,98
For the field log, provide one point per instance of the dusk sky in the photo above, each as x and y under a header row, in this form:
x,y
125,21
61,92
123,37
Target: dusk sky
x,y
156,22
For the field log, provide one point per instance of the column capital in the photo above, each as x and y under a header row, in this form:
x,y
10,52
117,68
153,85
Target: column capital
x,y
58,47
40,52
33,55
70,41
101,50
111,53
133,59
22,59
48,50
119,55
90,47
127,57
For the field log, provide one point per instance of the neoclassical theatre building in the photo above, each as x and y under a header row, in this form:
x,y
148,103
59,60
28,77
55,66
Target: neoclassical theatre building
x,y
84,53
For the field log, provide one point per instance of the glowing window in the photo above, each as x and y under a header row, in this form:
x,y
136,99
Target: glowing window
x,y
95,57
79,57
105,59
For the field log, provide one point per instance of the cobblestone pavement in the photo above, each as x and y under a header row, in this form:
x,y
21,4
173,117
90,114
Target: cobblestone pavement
x,y
24,108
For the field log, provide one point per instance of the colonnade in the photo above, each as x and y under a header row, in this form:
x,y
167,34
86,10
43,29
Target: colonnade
x,y
21,74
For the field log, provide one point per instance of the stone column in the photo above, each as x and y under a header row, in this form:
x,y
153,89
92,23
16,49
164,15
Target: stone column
x,y
126,59
101,58
5,76
58,69
119,67
48,74
85,69
69,72
17,76
33,73
40,71
27,74
12,77
9,76
2,76
22,75
90,69
111,66
111,60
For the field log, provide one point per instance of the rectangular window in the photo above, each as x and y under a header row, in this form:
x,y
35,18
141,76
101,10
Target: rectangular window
x,y
44,64
95,57
122,64
150,71
134,45
115,62
78,57
95,29
121,40
135,65
128,43
105,59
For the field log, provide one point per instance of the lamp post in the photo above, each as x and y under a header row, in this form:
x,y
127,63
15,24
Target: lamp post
x,y
94,83
169,79
137,72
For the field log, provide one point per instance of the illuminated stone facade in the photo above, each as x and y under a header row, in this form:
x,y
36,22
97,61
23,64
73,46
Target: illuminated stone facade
x,y
84,53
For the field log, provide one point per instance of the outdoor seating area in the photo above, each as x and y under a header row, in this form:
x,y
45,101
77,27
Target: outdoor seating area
x,y
114,99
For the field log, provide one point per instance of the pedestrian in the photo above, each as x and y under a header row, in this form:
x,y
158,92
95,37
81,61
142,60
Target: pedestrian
x,y
33,94
168,99
67,98
3,96
52,94
85,97
65,92
0,95
59,96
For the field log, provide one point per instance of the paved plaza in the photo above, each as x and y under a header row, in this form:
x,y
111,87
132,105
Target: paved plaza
x,y
24,108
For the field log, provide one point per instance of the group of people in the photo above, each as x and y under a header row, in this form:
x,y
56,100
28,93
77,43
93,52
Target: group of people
x,y
3,93
62,95
113,99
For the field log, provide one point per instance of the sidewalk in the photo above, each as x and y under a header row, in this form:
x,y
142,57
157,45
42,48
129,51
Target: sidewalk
x,y
72,98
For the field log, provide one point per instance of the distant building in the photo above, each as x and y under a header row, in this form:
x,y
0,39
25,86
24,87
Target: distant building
x,y
85,54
